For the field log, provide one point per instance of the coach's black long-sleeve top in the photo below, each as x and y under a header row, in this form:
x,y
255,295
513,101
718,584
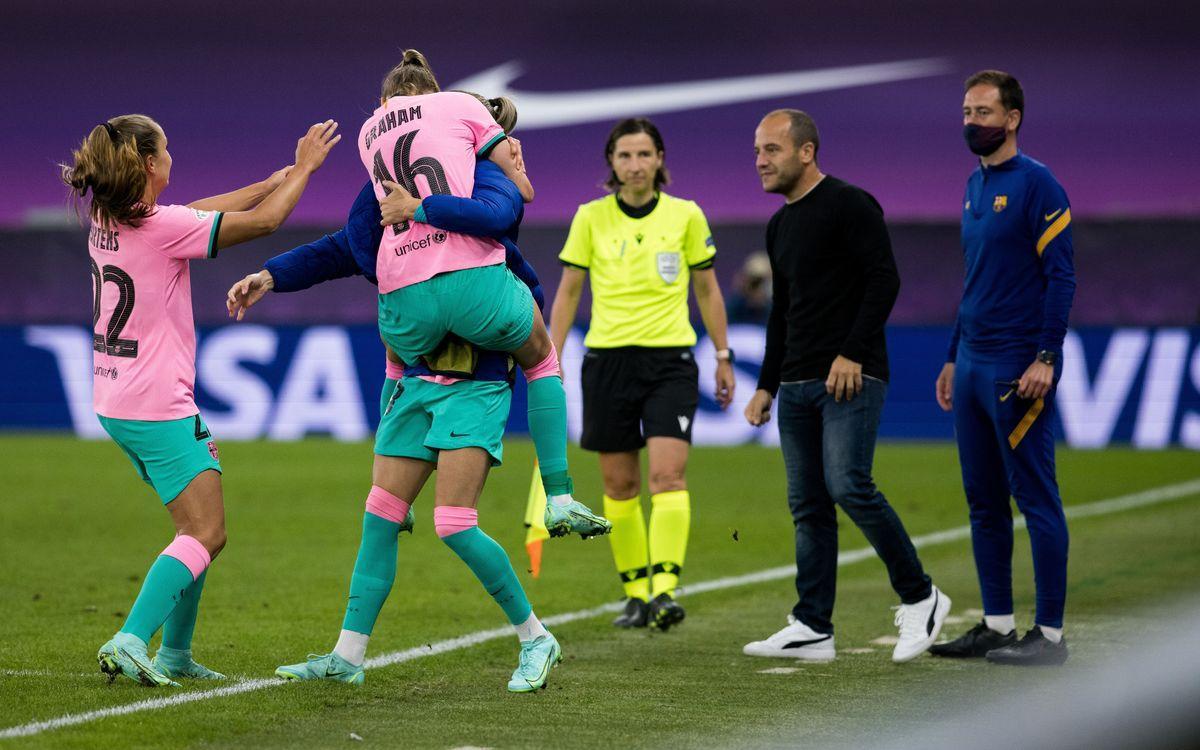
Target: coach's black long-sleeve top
x,y
835,282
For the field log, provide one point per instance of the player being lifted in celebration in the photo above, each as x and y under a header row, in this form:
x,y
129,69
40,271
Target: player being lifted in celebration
x,y
427,419
640,380
433,283
144,359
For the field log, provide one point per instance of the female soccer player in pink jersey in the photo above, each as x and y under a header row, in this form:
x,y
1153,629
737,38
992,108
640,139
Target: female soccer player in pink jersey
x,y
433,283
144,358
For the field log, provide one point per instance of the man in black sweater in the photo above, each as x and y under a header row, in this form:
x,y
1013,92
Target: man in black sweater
x,y
835,282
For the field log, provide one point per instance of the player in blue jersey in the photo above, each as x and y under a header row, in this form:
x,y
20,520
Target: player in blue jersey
x,y
1002,369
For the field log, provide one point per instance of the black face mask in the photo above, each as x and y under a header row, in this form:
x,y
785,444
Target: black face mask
x,y
983,140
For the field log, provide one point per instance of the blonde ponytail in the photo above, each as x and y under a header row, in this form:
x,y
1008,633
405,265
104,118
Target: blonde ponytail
x,y
111,163
411,77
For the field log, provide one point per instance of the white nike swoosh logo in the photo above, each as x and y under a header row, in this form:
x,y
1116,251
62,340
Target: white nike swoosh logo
x,y
561,108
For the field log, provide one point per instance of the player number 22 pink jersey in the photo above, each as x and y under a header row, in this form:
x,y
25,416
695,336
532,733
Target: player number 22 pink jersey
x,y
428,144
143,337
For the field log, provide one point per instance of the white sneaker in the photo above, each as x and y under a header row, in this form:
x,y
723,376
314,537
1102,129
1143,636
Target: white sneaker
x,y
796,641
920,625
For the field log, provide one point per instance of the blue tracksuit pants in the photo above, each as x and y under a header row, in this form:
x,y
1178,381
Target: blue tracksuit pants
x,y
1006,448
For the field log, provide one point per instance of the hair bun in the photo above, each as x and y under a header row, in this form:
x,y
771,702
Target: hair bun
x,y
413,57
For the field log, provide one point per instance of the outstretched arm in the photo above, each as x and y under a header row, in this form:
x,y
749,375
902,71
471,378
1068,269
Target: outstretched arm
x,y
240,226
245,198
299,268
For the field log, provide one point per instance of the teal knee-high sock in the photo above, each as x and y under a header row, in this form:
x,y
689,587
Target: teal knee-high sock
x,y
548,428
181,623
374,573
166,584
490,564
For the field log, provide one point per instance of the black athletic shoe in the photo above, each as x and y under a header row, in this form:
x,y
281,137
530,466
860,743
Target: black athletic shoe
x,y
636,614
1034,649
665,612
975,643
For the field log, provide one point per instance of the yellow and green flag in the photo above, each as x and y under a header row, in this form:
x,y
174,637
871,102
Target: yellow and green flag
x,y
535,522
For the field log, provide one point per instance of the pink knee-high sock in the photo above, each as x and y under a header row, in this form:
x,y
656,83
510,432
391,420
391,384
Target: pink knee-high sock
x,y
545,368
387,506
189,551
449,519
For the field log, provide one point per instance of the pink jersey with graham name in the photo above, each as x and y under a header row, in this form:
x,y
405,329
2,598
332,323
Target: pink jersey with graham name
x,y
144,341
428,144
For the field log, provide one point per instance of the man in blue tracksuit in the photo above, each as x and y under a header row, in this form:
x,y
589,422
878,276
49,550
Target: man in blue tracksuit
x,y
1001,371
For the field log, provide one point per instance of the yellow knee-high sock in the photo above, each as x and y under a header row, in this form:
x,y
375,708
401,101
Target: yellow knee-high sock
x,y
670,519
628,539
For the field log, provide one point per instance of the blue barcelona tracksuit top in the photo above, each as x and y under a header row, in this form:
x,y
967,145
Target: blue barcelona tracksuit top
x,y
494,209
1020,281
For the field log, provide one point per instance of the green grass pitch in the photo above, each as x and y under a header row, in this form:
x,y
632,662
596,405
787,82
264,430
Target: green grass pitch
x,y
78,530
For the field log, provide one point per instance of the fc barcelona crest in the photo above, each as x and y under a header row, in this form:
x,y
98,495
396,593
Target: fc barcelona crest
x,y
668,266
1000,203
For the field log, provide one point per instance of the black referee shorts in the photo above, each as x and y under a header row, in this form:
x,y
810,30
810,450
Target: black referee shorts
x,y
633,393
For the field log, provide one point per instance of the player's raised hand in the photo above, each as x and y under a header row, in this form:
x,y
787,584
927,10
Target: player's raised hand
x,y
312,149
245,293
758,411
398,205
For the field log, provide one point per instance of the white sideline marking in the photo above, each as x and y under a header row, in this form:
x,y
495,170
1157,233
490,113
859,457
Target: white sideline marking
x,y
886,640
1100,507
779,670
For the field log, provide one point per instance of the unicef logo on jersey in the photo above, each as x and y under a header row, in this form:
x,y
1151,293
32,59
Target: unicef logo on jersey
x,y
439,237
668,266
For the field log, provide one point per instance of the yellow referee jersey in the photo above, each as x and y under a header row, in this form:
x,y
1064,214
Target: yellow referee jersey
x,y
639,270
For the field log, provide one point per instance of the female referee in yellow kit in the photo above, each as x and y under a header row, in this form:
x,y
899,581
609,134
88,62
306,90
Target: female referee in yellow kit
x,y
639,377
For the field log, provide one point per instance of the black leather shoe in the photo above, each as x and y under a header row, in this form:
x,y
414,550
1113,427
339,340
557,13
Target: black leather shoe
x,y
1034,649
665,612
636,614
974,644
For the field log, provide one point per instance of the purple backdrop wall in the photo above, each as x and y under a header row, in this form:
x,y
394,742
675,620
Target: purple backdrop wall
x,y
235,83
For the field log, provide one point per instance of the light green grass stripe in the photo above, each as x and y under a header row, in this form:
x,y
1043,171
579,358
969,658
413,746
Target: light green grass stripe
x,y
1098,508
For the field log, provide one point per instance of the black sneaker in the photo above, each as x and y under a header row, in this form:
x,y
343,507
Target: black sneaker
x,y
1034,649
636,614
975,643
665,612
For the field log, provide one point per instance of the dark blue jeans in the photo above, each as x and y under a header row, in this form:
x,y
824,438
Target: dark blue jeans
x,y
828,448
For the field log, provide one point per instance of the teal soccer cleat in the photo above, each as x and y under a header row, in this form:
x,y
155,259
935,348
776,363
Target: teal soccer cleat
x,y
126,655
175,663
537,658
323,667
574,517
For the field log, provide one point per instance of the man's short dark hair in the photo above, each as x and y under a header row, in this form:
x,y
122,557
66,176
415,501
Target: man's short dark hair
x,y
803,129
1012,96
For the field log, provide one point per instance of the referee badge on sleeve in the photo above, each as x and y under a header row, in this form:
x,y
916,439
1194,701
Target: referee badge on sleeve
x,y
668,266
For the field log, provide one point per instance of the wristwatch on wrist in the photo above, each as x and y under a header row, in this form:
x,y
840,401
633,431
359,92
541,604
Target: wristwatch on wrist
x,y
1047,357
726,355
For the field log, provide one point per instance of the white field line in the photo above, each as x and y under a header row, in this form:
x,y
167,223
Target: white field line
x,y
1100,507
